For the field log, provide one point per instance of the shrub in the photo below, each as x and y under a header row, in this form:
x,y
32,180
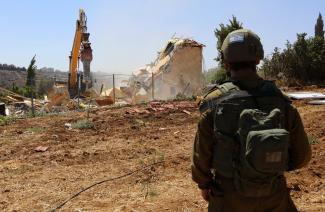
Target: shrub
x,y
5,120
82,124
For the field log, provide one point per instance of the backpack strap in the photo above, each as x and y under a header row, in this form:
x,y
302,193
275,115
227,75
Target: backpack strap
x,y
223,88
230,90
228,87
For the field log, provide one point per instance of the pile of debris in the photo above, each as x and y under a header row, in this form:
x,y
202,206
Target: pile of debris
x,y
59,99
158,107
17,105
176,70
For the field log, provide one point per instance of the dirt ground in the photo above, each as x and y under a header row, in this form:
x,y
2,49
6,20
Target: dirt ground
x,y
123,140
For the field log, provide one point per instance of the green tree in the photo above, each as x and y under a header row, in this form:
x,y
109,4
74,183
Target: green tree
x,y
302,56
319,27
219,74
304,60
224,30
316,50
43,86
30,82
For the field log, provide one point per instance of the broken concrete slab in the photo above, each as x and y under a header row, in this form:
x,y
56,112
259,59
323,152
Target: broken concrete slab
x,y
317,102
306,95
187,112
41,148
176,70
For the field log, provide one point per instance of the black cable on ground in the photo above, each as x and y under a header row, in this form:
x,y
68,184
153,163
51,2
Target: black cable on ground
x,y
103,181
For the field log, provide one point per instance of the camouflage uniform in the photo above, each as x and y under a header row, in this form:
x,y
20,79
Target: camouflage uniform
x,y
224,196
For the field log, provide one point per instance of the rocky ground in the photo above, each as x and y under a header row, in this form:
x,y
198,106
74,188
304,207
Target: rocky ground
x,y
43,161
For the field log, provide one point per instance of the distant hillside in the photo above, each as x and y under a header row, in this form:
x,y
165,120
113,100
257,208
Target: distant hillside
x,y
18,76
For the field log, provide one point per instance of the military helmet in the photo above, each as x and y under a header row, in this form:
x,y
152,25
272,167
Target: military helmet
x,y
242,45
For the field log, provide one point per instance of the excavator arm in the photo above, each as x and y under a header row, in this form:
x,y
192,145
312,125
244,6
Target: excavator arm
x,y
74,57
81,48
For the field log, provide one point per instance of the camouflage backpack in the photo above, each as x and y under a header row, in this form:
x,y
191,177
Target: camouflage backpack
x,y
252,144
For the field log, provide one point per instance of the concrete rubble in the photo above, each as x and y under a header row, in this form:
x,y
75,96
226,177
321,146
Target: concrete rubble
x,y
176,70
16,104
158,107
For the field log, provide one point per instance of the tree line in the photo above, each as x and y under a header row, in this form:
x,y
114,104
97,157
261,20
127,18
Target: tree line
x,y
303,60
11,67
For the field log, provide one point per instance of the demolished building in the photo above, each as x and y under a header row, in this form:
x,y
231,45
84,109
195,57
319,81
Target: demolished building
x,y
176,71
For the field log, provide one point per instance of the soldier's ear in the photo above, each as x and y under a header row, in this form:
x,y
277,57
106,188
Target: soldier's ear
x,y
227,66
257,61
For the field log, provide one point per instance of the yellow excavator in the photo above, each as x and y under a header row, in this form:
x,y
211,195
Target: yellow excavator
x,y
78,82
81,49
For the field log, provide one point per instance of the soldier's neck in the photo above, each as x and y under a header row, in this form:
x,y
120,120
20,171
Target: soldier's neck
x,y
246,79
243,73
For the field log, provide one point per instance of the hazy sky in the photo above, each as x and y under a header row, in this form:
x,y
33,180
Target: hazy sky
x,y
126,34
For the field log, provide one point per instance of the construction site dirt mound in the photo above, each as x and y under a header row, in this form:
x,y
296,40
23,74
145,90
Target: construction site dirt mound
x,y
45,160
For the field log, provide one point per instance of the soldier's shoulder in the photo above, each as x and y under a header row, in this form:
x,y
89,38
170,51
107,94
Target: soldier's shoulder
x,y
271,85
285,96
206,101
217,91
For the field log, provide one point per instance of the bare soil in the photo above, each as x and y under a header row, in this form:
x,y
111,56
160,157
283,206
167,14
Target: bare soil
x,y
122,141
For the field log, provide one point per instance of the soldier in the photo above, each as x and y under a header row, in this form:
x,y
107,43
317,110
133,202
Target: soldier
x,y
248,136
